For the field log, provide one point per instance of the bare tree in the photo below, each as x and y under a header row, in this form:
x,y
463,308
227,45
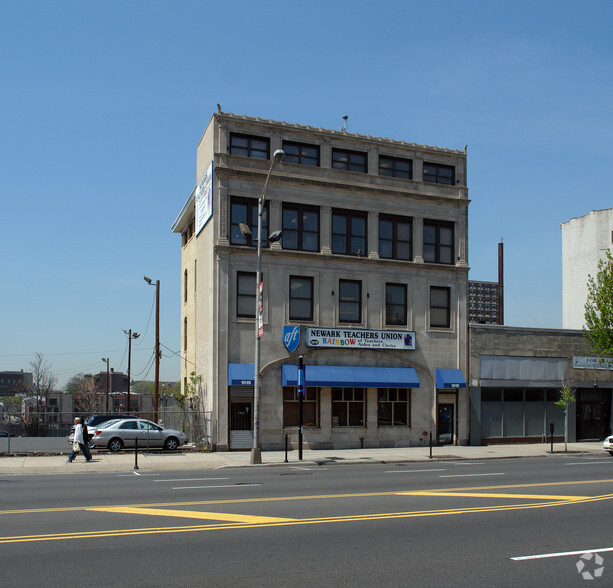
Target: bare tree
x,y
87,397
44,383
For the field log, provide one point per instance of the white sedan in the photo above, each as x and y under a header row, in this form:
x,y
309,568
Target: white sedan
x,y
607,444
115,435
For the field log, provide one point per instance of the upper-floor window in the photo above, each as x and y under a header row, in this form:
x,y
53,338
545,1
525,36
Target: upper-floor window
x,y
300,298
440,307
245,210
185,286
395,237
349,160
350,301
301,153
438,241
438,173
245,294
188,233
300,227
249,146
349,232
395,304
395,167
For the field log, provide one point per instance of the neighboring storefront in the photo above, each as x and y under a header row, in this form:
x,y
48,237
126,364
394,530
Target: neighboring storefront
x,y
516,375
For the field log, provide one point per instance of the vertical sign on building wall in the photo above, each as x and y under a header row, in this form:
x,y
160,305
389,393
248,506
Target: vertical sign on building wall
x,y
260,313
203,199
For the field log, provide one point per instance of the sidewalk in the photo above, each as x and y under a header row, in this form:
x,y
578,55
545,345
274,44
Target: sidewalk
x,y
193,460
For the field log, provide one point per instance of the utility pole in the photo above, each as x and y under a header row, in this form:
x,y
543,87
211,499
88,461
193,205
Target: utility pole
x,y
156,393
130,337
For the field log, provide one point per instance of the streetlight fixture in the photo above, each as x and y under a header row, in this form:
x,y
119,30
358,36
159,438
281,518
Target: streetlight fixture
x,y
256,453
131,336
108,382
156,393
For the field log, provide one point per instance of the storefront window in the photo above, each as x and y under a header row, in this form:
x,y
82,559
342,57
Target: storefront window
x,y
348,407
310,407
393,407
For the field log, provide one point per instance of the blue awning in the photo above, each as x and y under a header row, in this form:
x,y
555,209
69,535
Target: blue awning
x,y
240,374
340,375
450,378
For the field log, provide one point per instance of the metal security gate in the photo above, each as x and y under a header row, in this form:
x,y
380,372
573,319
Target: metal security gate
x,y
241,417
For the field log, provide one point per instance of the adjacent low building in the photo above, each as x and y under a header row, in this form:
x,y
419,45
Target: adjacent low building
x,y
368,284
516,375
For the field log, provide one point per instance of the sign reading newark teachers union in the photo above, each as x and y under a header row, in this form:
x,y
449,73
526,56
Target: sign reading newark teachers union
x,y
360,338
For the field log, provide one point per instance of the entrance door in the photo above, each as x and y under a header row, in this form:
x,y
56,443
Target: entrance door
x,y
445,423
593,410
241,425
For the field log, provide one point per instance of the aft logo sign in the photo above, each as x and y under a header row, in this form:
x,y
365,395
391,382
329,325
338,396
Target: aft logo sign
x,y
291,338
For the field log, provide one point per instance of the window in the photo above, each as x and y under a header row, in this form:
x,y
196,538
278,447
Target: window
x,y
249,146
395,167
349,233
437,173
440,308
393,407
348,407
395,237
350,301
185,286
395,304
349,160
245,294
301,153
300,298
310,407
438,241
300,227
245,210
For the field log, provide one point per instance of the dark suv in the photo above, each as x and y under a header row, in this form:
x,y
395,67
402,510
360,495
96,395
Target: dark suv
x,y
97,419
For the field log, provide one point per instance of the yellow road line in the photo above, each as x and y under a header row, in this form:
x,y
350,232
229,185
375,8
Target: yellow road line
x,y
290,522
191,514
491,495
441,491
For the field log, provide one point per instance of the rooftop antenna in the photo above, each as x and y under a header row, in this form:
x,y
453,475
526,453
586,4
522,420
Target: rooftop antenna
x,y
344,127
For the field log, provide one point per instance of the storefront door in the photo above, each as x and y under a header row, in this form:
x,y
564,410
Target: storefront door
x,y
593,413
446,420
241,425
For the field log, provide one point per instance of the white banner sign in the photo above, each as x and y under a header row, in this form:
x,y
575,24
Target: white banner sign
x,y
594,363
360,338
204,199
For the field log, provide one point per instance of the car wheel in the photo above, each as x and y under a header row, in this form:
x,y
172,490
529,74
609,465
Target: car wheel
x,y
115,444
171,443
610,452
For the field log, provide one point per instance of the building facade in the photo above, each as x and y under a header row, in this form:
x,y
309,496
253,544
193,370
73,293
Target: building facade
x,y
12,383
585,241
368,284
516,375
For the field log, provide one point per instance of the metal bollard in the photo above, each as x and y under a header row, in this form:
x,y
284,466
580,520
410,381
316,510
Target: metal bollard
x,y
286,448
136,453
430,444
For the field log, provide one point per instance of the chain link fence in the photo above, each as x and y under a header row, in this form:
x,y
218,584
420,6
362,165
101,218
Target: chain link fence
x,y
194,423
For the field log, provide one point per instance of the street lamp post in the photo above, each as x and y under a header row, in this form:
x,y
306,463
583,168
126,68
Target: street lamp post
x,y
256,453
108,382
156,392
131,336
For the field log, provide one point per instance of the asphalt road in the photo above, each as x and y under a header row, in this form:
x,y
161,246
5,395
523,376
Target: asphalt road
x,y
492,523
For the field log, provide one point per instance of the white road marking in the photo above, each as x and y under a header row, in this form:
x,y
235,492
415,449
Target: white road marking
x,y
560,554
307,469
411,471
191,479
215,486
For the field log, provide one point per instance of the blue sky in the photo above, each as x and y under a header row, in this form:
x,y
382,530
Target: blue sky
x,y
103,103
